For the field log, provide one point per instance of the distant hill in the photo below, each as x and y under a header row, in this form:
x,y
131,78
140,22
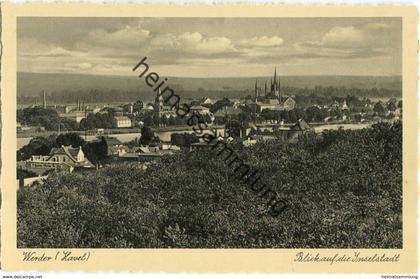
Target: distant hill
x,y
31,84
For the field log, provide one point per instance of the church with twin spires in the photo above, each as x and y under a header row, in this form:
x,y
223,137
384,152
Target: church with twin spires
x,y
271,98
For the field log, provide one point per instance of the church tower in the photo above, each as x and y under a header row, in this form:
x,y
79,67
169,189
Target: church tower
x,y
275,85
279,91
158,105
257,92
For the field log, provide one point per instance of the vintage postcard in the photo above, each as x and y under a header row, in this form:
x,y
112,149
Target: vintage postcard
x,y
209,138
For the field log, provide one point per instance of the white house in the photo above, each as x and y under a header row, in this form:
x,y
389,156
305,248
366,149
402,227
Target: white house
x,y
122,122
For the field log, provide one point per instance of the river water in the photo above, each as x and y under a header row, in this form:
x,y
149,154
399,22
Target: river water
x,y
164,136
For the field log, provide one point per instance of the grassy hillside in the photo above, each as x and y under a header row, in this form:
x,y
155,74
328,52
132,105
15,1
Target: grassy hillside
x,y
31,84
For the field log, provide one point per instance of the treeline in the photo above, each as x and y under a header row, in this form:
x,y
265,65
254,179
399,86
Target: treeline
x,y
343,190
47,118
97,120
110,96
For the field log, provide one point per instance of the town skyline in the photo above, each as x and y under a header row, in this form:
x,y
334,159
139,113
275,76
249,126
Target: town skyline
x,y
192,47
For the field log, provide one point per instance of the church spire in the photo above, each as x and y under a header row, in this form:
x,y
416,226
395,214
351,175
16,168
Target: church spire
x,y
256,89
279,90
275,75
273,85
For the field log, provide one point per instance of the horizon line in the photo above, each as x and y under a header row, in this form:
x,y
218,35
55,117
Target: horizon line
x,y
222,77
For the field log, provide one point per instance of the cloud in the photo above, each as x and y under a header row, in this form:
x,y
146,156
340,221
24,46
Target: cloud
x,y
261,42
368,35
343,36
85,65
128,36
369,40
31,47
114,48
193,43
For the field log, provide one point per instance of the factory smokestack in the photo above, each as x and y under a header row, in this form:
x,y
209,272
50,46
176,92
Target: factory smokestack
x,y
44,99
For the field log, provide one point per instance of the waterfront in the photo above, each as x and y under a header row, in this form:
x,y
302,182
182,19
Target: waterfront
x,y
165,134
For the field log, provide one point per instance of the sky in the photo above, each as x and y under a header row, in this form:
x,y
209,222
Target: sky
x,y
211,47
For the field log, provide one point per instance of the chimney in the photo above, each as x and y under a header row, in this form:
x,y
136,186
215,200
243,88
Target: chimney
x,y
44,99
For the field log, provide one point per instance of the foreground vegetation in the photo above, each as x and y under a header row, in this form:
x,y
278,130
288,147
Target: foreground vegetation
x,y
344,190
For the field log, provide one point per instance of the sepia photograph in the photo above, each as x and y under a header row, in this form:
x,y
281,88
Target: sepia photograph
x,y
217,132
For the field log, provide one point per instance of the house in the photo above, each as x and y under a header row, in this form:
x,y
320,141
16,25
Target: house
x,y
269,104
110,141
344,106
301,125
147,108
202,146
199,110
24,128
122,122
335,105
144,153
74,115
168,146
207,101
93,110
289,104
114,145
61,108
249,142
221,114
65,158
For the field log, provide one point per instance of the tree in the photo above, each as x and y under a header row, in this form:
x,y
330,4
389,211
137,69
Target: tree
x,y
47,118
73,139
392,106
219,104
194,199
138,106
148,120
23,173
379,109
37,146
96,151
183,140
146,135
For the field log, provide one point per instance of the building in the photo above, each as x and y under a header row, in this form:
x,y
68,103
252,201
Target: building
x,y
202,146
206,101
344,106
146,153
272,98
74,115
122,122
161,109
61,108
65,158
114,145
226,112
289,104
201,110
